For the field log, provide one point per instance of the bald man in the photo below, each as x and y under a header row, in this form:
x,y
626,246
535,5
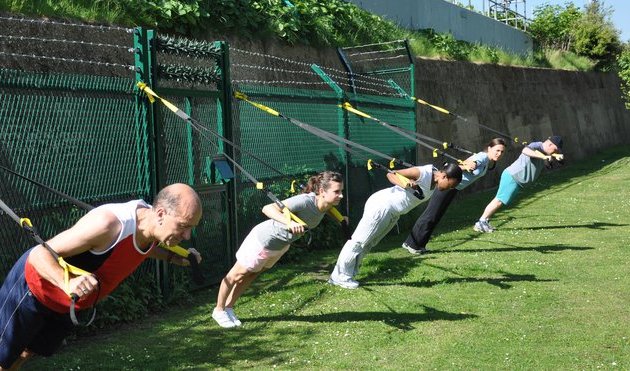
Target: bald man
x,y
110,242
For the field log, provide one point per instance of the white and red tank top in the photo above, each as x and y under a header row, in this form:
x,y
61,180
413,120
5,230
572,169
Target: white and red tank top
x,y
110,266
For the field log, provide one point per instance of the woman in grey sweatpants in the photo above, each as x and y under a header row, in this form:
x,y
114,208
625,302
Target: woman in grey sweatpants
x,y
382,211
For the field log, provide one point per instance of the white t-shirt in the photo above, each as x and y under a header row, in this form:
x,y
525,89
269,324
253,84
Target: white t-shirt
x,y
402,200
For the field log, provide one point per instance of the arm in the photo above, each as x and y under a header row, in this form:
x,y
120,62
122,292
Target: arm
x,y
412,174
535,154
272,211
96,230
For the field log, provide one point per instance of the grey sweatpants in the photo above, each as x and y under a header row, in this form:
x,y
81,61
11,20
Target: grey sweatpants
x,y
378,219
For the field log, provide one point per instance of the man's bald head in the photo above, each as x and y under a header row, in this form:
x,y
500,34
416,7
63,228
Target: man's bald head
x,y
179,198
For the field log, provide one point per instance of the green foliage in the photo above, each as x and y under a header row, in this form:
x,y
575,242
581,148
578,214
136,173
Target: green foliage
x,y
623,62
448,45
568,61
590,33
311,22
552,25
595,35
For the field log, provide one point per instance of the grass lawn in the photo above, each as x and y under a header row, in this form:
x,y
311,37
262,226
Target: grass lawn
x,y
550,289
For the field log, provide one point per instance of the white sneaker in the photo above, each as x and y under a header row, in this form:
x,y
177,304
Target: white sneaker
x,y
348,284
233,317
483,227
223,318
412,250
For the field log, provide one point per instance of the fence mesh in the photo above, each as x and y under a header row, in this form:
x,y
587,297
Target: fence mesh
x,y
76,122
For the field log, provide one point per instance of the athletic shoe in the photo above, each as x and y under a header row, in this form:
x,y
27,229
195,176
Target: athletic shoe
x,y
414,251
223,318
483,226
348,284
235,319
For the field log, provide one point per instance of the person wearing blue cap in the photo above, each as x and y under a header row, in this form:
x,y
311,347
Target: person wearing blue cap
x,y
525,170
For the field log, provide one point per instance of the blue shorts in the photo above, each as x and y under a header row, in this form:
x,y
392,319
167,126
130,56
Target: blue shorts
x,y
24,322
508,188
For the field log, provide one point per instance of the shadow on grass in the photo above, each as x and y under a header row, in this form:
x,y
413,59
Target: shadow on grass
x,y
596,225
503,282
462,215
541,249
402,321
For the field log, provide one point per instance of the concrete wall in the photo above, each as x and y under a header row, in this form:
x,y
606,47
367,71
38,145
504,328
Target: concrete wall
x,y
529,103
446,17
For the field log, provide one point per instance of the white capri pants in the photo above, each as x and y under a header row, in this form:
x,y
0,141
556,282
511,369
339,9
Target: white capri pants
x,y
255,257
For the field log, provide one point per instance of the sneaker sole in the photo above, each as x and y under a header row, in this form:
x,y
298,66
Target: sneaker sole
x,y
414,251
339,284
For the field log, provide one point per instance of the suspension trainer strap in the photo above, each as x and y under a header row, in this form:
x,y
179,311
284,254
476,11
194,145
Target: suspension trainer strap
x,y
68,269
323,134
347,106
443,110
195,124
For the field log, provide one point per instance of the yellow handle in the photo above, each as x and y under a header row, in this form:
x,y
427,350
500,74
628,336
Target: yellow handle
x,y
176,249
403,179
349,107
241,96
336,214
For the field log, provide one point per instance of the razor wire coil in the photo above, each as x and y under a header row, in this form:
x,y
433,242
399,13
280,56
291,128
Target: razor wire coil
x,y
46,21
70,60
63,41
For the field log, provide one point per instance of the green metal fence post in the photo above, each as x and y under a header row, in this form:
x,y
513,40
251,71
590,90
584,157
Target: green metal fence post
x,y
225,111
342,128
145,64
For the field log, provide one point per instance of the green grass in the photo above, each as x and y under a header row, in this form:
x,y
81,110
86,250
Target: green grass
x,y
547,290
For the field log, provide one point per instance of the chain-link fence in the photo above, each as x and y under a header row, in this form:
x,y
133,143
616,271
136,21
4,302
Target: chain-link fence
x,y
75,121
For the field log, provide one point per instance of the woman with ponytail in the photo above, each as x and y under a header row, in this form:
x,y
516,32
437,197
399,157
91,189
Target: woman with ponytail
x,y
478,164
382,211
269,240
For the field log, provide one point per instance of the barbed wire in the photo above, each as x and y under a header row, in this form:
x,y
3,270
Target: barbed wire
x,y
338,74
278,82
265,68
71,60
300,63
21,38
45,21
377,51
375,44
380,59
360,79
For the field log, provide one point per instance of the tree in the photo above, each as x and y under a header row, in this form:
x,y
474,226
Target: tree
x,y
623,62
596,36
553,24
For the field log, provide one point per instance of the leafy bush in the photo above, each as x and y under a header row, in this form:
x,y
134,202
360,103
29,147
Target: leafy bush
x,y
589,34
552,25
623,61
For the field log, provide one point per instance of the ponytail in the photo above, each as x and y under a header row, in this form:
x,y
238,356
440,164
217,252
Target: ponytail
x,y
322,181
452,171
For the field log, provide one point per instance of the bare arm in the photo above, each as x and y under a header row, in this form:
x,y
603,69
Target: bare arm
x,y
272,211
534,154
469,164
96,230
412,174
